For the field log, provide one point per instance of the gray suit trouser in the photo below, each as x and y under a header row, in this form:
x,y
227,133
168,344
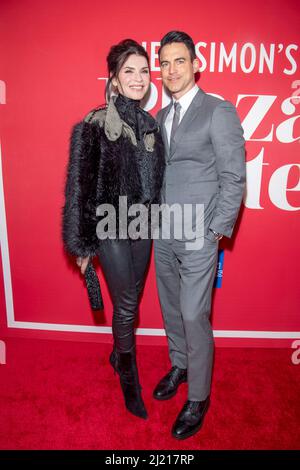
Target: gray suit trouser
x,y
185,280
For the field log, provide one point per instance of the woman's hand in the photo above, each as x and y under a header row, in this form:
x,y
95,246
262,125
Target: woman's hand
x,y
82,263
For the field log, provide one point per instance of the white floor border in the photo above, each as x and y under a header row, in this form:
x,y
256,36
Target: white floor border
x,y
12,323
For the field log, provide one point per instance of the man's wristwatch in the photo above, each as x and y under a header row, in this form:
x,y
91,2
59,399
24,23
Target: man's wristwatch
x,y
217,235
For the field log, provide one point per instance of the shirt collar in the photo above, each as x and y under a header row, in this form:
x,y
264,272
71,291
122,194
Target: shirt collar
x,y
187,98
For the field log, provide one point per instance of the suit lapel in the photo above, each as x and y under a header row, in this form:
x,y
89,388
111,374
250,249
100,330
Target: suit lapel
x,y
190,114
164,132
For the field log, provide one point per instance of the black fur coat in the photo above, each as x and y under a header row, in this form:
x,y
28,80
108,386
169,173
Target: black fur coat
x,y
103,165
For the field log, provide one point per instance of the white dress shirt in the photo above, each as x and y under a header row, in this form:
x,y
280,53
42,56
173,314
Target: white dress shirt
x,y
185,102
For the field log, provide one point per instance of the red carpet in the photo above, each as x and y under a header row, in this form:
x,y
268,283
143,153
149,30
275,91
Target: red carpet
x,y
63,395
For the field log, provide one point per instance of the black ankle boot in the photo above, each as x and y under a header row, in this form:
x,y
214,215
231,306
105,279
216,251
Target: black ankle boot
x,y
125,365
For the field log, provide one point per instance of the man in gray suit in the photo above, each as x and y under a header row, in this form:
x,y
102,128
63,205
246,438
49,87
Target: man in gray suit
x,y
205,165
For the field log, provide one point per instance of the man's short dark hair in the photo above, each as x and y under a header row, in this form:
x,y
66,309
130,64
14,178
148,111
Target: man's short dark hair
x,y
178,36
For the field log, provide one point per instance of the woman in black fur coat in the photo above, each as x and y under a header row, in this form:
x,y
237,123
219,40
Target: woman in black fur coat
x,y
116,154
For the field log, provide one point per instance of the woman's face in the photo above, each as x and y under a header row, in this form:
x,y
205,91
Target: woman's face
x,y
134,77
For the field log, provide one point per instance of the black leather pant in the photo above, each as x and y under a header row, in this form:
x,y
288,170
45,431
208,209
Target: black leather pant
x,y
124,264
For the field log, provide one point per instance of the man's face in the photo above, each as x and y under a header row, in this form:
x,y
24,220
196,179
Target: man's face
x,y
177,68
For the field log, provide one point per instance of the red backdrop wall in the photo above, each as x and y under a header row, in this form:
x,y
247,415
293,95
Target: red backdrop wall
x,y
53,72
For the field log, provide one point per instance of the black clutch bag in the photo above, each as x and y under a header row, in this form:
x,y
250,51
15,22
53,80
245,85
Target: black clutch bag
x,y
93,287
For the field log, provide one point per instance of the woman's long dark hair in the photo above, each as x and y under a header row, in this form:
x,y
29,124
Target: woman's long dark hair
x,y
118,55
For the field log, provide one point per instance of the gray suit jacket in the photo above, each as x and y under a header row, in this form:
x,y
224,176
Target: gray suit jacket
x,y
207,165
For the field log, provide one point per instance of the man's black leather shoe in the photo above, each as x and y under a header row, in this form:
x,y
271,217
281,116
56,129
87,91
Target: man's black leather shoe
x,y
190,419
169,384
